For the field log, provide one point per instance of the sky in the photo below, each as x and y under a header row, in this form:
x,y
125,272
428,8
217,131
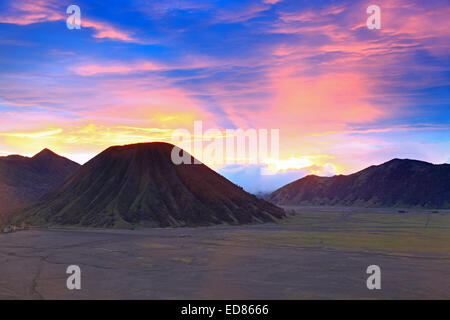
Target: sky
x,y
343,96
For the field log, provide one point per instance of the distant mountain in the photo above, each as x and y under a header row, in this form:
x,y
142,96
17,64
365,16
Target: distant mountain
x,y
396,183
139,185
23,180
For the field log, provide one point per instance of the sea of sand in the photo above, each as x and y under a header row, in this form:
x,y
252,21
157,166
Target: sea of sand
x,y
313,254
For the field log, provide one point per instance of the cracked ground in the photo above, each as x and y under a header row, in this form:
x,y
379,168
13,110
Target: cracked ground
x,y
310,255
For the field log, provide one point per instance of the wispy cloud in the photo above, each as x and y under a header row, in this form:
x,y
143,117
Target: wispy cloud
x,y
312,70
105,30
95,69
26,12
37,134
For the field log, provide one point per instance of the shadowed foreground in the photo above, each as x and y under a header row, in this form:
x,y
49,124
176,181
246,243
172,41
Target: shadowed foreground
x,y
311,255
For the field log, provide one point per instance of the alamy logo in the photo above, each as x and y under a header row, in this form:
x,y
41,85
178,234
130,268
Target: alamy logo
x,y
374,20
74,20
229,146
74,280
374,281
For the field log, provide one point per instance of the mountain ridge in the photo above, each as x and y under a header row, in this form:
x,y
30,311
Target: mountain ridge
x,y
23,180
138,184
395,183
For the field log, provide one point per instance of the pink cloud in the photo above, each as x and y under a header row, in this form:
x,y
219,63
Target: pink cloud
x,y
25,12
318,16
94,69
106,30
403,24
119,68
272,1
28,12
302,103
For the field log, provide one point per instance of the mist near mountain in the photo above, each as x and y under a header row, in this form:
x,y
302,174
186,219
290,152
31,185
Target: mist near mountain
x,y
138,184
254,178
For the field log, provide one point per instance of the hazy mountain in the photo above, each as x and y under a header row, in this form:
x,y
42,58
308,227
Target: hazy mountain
x,y
23,180
396,183
139,185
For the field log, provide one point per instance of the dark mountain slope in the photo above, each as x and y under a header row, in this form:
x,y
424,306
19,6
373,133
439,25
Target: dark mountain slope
x,y
396,183
139,184
23,180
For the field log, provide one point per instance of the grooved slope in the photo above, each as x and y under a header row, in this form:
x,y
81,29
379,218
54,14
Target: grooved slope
x,y
139,184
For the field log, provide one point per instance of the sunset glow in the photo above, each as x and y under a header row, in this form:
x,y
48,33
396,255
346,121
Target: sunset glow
x,y
343,97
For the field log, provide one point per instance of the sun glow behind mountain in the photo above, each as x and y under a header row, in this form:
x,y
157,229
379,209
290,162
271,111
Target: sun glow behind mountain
x,y
343,97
